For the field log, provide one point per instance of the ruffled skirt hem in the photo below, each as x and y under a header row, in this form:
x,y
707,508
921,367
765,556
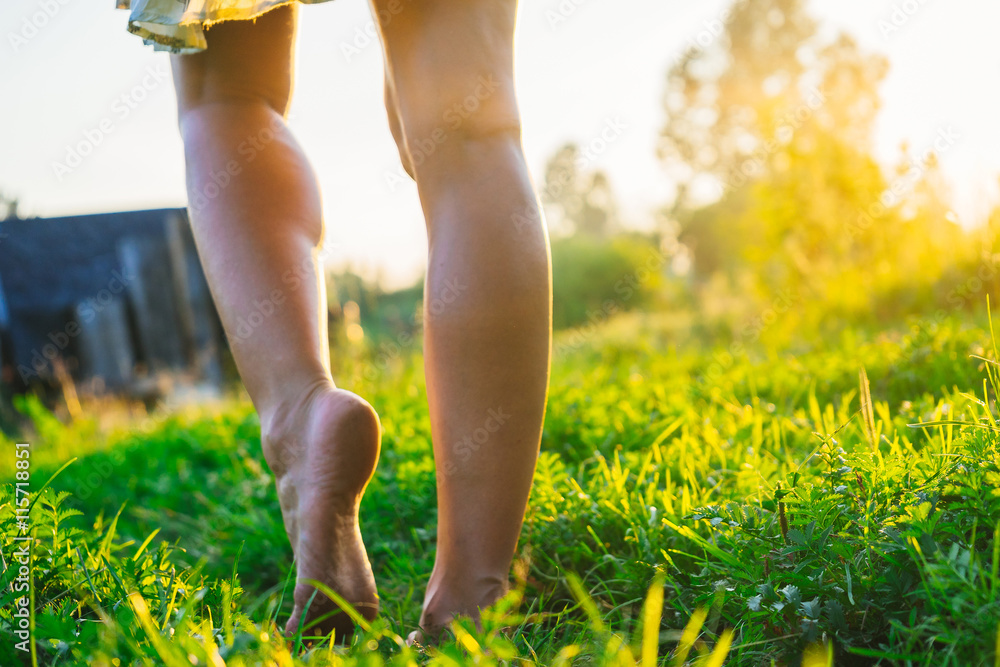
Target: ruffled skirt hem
x,y
178,26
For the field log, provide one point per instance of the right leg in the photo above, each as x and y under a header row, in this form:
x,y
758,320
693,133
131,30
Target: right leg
x,y
256,217
487,305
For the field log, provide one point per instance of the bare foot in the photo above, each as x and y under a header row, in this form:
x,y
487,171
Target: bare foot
x,y
322,450
445,599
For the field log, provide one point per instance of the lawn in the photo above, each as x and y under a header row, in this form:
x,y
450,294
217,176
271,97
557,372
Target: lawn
x,y
698,499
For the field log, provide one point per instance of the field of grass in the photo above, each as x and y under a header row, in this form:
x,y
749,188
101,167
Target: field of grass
x,y
769,499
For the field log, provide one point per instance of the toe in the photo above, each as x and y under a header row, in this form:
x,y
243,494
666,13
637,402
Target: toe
x,y
293,624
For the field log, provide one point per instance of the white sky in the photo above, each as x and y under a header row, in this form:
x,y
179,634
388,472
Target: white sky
x,y
606,61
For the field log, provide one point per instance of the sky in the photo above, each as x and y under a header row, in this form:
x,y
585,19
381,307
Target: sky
x,y
75,81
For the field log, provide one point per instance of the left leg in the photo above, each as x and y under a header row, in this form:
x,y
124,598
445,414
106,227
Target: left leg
x,y
256,216
487,305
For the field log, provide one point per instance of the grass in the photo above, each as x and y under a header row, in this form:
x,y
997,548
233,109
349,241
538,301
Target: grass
x,y
694,504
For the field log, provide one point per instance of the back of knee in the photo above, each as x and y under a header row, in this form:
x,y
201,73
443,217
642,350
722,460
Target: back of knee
x,y
199,86
451,69
445,118
483,107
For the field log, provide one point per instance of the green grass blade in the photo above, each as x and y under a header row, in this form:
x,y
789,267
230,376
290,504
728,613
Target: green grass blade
x,y
721,650
652,612
689,637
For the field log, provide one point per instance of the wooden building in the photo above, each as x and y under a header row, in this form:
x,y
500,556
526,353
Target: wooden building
x,y
112,300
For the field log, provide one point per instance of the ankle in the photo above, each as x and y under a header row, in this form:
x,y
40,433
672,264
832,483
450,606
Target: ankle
x,y
282,419
449,596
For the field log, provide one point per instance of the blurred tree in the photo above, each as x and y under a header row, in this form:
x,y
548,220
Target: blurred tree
x,y
594,279
581,198
8,206
721,98
732,105
768,138
598,269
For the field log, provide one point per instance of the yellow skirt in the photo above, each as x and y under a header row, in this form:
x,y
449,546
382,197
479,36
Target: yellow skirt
x,y
179,26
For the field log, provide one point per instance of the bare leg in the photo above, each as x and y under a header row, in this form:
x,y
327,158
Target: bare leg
x,y
257,221
487,298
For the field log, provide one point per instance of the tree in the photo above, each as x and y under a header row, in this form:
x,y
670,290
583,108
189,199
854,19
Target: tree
x,y
756,122
724,100
8,207
582,198
768,137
